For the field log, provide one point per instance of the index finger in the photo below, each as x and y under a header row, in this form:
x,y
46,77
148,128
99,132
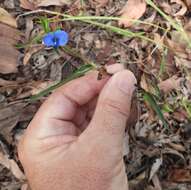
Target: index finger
x,y
56,114
63,103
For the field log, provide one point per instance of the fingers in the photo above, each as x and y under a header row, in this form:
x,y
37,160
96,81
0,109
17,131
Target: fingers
x,y
113,108
85,113
63,104
77,92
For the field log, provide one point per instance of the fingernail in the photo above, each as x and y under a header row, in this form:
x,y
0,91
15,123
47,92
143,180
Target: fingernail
x,y
126,81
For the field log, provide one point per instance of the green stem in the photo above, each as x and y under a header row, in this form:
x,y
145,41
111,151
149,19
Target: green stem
x,y
79,73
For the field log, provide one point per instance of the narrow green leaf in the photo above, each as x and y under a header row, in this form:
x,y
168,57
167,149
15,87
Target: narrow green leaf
x,y
167,108
36,40
151,101
172,21
45,24
168,18
187,106
78,73
163,62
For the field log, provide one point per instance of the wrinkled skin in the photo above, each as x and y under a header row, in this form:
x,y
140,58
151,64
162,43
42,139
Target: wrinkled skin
x,y
75,140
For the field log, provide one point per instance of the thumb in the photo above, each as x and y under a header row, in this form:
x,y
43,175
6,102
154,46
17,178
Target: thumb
x,y
113,109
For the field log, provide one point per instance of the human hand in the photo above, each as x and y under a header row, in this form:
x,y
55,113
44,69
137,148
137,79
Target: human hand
x,y
64,147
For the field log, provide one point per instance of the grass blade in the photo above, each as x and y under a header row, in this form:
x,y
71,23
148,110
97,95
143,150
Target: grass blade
x,y
173,23
79,73
168,18
187,106
151,101
120,31
45,24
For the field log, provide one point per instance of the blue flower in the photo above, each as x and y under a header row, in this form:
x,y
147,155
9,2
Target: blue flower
x,y
56,39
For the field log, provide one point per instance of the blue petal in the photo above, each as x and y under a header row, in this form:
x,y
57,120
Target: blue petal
x,y
62,37
48,39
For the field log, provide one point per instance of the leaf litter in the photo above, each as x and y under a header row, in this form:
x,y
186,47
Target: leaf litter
x,y
157,142
32,5
9,36
133,10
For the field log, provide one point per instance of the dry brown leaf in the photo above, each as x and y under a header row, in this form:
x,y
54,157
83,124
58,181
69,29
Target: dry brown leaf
x,y
6,126
8,35
180,115
30,52
11,110
166,7
8,64
171,151
46,3
179,10
99,3
187,131
156,183
25,187
177,47
6,18
181,62
180,175
12,166
155,167
179,39
134,115
183,9
134,9
188,2
7,82
29,28
159,40
9,4
9,116
170,84
126,144
144,83
8,53
26,4
32,5
177,147
40,86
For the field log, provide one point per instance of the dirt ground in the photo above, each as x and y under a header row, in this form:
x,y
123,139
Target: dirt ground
x,y
158,154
